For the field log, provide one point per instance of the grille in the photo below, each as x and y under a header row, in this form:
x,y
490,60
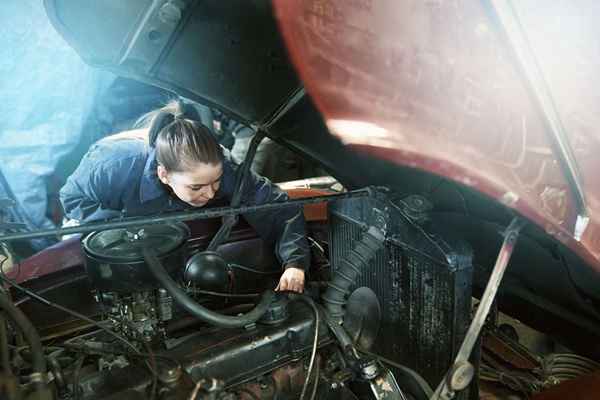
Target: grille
x,y
425,300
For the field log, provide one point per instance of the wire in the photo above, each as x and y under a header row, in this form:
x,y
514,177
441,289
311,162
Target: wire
x,y
220,294
4,346
316,244
254,271
153,371
48,303
316,384
77,376
253,396
89,350
313,355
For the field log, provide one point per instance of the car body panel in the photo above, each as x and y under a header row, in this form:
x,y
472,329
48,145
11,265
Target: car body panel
x,y
434,85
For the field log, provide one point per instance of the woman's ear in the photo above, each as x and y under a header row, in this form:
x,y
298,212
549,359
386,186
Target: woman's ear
x,y
161,171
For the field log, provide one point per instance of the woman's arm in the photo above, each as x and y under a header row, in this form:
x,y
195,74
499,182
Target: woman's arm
x,y
92,192
285,226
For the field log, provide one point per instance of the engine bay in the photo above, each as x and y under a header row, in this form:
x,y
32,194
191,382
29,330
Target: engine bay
x,y
386,313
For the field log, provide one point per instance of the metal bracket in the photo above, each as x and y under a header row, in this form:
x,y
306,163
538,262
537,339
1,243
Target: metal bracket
x,y
461,372
152,34
385,387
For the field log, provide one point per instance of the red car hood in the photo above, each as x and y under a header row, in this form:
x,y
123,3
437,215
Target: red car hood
x,y
498,97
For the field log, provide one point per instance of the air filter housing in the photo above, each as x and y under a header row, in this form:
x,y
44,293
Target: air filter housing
x,y
422,278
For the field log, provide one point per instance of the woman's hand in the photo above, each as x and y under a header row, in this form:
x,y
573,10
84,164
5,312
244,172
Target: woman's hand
x,y
292,280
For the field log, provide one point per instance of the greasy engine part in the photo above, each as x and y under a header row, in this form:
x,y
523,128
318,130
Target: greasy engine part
x,y
510,351
139,315
422,277
232,356
585,387
214,318
505,362
559,367
275,385
26,328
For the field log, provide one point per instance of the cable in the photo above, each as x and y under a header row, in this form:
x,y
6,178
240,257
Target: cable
x,y
153,371
4,346
220,294
254,271
316,384
313,355
89,350
77,377
253,396
29,331
48,303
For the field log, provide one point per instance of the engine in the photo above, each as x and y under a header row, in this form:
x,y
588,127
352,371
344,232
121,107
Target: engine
x,y
152,342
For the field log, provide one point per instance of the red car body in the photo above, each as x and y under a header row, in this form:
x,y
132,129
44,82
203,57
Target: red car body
x,y
439,86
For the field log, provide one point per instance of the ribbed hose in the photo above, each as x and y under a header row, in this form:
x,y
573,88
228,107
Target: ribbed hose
x,y
348,270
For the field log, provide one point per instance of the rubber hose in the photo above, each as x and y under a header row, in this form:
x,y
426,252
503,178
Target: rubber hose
x,y
348,270
38,361
5,351
198,311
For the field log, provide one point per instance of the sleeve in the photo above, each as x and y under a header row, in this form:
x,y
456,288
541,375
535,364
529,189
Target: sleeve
x,y
285,226
90,193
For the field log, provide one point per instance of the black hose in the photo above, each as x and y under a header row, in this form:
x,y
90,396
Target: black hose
x,y
348,270
59,377
37,354
4,350
77,377
198,311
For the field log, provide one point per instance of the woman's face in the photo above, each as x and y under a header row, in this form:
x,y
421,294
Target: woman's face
x,y
195,186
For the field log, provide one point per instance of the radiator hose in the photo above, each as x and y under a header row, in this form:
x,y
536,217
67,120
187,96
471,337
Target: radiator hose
x,y
348,270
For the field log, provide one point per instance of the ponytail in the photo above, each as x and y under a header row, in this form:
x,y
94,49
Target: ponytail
x,y
180,143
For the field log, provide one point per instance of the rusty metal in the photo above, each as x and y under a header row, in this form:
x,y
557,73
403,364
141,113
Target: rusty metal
x,y
510,353
586,387
285,380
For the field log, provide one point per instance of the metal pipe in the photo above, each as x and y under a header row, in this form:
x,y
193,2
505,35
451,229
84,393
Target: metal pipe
x,y
179,216
236,198
509,23
444,391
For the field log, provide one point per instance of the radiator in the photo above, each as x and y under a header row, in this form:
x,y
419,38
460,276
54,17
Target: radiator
x,y
422,278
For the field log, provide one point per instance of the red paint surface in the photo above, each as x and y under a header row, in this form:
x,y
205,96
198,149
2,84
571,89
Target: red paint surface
x,y
433,85
63,255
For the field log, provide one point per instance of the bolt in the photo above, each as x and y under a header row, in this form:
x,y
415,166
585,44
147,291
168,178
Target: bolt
x,y
171,12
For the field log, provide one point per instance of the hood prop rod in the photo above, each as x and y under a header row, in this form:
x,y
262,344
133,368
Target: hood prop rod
x,y
508,22
461,372
241,177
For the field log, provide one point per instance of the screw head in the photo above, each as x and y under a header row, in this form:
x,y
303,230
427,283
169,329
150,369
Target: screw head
x,y
460,376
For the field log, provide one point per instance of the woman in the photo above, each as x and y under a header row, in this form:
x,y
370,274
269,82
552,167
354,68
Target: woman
x,y
176,164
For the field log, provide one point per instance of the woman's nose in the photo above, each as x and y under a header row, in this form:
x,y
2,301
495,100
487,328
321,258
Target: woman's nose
x,y
210,192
